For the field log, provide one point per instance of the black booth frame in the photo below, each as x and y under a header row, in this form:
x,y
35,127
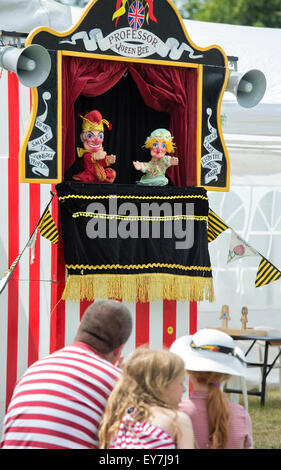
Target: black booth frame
x,y
212,70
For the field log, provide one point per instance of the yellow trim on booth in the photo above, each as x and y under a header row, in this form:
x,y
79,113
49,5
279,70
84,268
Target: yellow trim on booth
x,y
89,55
33,114
138,287
136,218
226,188
24,142
130,196
138,266
199,124
59,114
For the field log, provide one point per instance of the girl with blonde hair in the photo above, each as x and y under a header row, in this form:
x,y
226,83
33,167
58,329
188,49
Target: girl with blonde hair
x,y
142,410
211,357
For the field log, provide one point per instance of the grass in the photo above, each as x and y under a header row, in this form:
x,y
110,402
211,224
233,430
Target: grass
x,y
266,420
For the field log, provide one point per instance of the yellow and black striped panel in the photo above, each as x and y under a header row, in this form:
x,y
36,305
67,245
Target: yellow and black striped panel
x,y
47,228
266,274
216,226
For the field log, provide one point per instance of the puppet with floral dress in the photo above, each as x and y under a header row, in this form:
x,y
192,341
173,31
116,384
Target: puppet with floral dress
x,y
95,159
159,142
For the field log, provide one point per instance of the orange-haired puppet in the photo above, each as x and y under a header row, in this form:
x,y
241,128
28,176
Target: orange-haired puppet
x,y
95,159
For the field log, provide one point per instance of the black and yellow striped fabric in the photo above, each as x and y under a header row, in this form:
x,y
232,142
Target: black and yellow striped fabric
x,y
266,274
47,228
216,226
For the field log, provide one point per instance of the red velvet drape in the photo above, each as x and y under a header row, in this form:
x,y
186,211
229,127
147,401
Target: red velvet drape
x,y
87,77
164,88
173,89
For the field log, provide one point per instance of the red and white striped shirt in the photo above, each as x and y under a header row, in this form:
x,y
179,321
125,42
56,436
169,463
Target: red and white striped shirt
x,y
141,435
59,401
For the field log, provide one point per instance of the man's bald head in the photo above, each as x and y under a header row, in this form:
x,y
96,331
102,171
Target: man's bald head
x,y
105,325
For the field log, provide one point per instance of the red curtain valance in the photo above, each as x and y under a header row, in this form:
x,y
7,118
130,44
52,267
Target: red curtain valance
x,y
164,88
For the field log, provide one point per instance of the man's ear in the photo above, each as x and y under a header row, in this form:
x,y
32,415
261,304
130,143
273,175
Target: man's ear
x,y
118,351
115,355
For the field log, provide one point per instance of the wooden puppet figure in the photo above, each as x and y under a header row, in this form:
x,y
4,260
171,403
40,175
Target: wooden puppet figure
x,y
244,318
95,159
159,142
225,316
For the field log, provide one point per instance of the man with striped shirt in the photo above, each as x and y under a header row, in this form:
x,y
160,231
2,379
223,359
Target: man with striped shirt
x,y
59,401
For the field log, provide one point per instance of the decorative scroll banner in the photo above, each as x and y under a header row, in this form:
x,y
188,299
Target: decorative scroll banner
x,y
210,160
135,243
132,43
40,151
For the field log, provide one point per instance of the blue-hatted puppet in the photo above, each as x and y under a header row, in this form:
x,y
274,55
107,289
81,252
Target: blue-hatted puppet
x,y
159,142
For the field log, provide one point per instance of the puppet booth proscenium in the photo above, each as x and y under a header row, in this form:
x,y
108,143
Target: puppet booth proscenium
x,y
150,78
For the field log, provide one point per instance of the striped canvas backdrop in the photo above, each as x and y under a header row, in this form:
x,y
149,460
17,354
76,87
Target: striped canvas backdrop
x,y
33,319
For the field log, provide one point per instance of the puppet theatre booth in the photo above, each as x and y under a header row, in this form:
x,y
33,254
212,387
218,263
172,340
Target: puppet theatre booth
x,y
128,74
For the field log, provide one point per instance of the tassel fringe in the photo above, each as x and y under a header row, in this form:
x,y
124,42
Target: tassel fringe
x,y
138,287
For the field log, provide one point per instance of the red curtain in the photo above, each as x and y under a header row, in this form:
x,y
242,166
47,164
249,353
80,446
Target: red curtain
x,y
174,90
87,77
164,88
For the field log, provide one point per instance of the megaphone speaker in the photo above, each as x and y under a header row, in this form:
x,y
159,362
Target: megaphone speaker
x,y
249,88
32,64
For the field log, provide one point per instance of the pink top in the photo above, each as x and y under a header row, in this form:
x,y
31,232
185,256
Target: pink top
x,y
141,435
240,427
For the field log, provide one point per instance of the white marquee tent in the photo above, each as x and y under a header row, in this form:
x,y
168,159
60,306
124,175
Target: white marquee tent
x,y
252,207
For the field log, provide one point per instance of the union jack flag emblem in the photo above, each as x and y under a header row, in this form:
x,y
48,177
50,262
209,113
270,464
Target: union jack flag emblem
x,y
136,15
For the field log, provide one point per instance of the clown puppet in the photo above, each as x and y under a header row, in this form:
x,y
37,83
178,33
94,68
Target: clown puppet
x,y
95,159
159,142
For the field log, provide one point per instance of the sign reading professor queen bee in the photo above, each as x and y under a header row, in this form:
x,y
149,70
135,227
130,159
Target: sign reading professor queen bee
x,y
133,40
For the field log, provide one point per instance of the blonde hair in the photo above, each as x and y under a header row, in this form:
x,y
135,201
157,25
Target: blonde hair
x,y
170,146
217,407
146,374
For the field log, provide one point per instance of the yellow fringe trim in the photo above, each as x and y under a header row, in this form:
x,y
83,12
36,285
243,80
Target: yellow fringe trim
x,y
138,287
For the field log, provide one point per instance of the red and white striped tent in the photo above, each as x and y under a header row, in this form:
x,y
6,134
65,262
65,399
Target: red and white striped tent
x,y
34,321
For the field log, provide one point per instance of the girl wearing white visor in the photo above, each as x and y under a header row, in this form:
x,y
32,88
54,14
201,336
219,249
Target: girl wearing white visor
x,y
210,357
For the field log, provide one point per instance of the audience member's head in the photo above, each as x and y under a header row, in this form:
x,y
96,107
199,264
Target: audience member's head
x,y
147,378
211,357
105,326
